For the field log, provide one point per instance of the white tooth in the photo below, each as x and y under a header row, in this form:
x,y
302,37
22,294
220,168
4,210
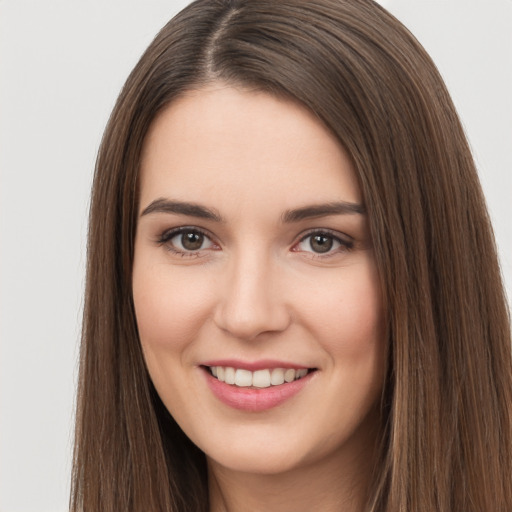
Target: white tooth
x,y
301,373
261,378
220,373
243,378
277,377
214,371
229,375
289,375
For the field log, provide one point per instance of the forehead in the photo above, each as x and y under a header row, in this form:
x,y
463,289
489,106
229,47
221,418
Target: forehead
x,y
220,142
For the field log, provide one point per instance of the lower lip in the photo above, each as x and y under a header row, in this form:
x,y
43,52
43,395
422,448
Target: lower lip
x,y
255,399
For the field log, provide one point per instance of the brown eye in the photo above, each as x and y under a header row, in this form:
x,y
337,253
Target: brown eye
x,y
321,243
186,241
192,241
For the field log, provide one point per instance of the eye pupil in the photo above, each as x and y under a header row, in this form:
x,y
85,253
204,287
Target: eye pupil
x,y
321,243
192,241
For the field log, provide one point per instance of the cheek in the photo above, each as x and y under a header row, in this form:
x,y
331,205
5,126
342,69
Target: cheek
x,y
170,307
346,319
346,314
351,331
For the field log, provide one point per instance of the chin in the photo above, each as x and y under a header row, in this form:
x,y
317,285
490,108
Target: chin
x,y
258,461
278,451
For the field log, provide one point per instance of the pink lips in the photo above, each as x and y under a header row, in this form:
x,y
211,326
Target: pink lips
x,y
255,399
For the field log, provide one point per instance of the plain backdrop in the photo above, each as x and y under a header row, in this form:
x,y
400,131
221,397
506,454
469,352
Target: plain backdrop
x,y
62,64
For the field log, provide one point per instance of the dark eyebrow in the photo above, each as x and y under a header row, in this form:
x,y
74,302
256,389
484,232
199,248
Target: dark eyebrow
x,y
321,210
193,210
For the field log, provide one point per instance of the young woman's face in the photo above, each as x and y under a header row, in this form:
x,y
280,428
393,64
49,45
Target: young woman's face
x,y
253,262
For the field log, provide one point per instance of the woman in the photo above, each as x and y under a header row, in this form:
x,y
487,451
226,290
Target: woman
x,y
293,298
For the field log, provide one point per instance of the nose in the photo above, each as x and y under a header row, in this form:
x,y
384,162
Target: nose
x,y
251,300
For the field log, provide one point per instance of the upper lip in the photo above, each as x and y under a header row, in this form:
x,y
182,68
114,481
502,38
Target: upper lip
x,y
262,364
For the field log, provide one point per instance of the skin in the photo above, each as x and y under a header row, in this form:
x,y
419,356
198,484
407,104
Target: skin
x,y
258,289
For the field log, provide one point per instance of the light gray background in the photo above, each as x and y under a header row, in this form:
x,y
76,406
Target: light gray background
x,y
62,64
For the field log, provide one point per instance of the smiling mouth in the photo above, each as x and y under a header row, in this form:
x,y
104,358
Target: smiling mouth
x,y
258,379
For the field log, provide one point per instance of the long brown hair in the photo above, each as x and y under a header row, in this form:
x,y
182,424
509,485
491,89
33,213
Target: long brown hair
x,y
446,437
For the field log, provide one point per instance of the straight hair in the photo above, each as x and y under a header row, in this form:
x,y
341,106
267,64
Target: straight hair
x,y
446,432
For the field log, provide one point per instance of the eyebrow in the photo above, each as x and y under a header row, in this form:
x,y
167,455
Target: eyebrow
x,y
162,205
183,208
321,210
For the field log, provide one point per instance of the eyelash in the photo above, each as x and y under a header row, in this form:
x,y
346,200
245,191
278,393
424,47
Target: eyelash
x,y
167,236
344,245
